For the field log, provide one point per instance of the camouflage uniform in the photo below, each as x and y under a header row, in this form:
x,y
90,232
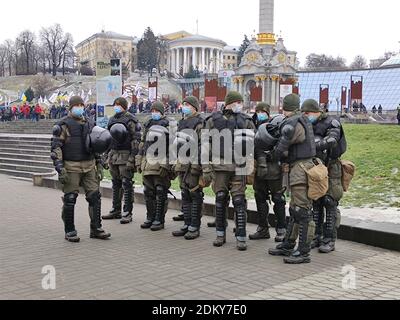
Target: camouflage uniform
x,y
297,145
189,174
331,145
121,161
156,174
77,168
226,181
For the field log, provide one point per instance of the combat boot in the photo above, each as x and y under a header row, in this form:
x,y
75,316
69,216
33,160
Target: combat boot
x,y
298,258
318,217
220,241
241,245
127,216
280,235
72,237
284,249
262,212
116,211
194,220
186,209
192,235
262,233
150,199
306,233
179,218
161,196
327,247
96,231
180,233
68,216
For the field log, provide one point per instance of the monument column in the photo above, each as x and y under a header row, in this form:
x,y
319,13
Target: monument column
x,y
203,58
178,60
185,59
194,58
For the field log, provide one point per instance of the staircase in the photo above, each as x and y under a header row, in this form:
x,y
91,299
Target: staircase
x,y
27,127
22,156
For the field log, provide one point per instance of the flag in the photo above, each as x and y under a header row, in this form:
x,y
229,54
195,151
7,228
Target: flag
x,y
87,99
125,95
137,89
1,98
24,98
90,93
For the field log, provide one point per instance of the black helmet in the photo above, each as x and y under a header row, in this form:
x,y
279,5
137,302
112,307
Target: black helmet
x,y
274,126
119,132
264,140
98,141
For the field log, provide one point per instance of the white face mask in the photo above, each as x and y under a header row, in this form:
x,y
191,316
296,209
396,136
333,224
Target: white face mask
x,y
237,108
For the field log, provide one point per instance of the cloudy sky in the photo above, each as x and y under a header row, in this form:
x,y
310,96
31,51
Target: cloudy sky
x,y
335,27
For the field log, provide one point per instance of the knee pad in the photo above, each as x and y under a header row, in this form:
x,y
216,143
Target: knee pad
x,y
302,215
279,199
186,195
93,197
70,199
329,202
239,201
222,197
161,192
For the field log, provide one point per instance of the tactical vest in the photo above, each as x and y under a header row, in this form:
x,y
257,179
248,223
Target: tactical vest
x,y
125,120
237,122
190,123
307,149
163,123
74,148
259,153
321,129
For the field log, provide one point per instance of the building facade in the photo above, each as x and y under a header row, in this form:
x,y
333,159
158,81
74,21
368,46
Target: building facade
x,y
107,45
231,55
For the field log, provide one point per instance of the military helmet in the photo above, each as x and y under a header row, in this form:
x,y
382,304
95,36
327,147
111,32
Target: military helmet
x,y
274,126
310,105
264,140
98,141
119,132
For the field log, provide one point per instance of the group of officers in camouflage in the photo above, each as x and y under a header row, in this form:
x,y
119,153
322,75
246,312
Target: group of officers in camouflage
x,y
285,146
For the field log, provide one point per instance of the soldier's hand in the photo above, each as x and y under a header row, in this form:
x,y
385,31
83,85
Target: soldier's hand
x,y
285,168
206,179
63,176
164,172
100,172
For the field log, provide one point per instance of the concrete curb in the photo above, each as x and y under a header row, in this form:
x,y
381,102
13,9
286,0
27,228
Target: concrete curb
x,y
382,235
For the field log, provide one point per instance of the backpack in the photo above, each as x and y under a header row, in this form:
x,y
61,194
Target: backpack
x,y
348,173
318,180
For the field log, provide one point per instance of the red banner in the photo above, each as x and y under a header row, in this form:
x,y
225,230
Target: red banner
x,y
356,88
196,92
222,92
296,89
344,96
324,94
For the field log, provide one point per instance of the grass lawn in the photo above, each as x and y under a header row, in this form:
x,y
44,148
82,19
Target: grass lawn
x,y
375,151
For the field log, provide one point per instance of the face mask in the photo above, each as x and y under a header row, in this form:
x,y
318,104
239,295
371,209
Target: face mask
x,y
262,117
156,116
313,119
117,109
237,108
187,111
78,112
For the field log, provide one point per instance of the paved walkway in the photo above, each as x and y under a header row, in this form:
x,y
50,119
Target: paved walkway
x,y
138,264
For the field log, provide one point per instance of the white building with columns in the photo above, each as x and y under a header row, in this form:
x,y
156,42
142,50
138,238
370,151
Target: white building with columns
x,y
203,53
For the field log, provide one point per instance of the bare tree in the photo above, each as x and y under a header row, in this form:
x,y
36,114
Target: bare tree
x,y
26,42
359,63
320,62
41,85
9,45
56,43
3,60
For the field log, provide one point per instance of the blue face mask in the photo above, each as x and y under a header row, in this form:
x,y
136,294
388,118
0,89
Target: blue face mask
x,y
117,109
156,116
78,112
187,111
262,117
313,119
